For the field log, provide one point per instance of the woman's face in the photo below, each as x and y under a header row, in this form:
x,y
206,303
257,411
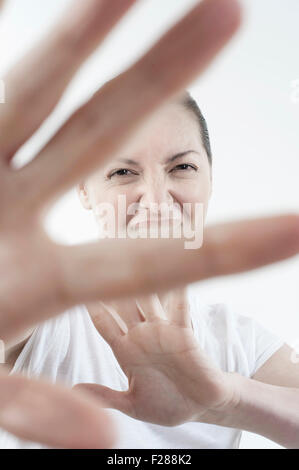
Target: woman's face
x,y
150,173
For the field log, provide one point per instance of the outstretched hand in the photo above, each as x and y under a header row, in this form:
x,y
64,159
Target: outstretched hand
x,y
39,278
171,379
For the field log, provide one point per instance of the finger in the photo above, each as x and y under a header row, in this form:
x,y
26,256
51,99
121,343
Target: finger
x,y
151,307
122,106
35,85
127,310
106,322
178,310
109,397
124,267
248,244
53,415
114,269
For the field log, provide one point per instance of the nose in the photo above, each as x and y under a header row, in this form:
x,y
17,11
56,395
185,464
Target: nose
x,y
154,193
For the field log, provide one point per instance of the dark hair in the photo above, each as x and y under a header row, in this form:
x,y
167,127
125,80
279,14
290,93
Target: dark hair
x,y
189,103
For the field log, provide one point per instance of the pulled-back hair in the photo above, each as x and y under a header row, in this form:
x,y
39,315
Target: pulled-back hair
x,y
189,103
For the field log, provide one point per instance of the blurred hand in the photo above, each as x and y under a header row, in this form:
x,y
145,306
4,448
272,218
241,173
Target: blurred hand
x,y
40,278
36,273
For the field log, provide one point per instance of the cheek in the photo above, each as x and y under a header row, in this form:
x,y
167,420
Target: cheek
x,y
103,204
117,203
194,192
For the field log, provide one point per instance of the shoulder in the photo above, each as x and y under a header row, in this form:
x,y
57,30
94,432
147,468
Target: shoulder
x,y
217,316
223,317
238,341
50,338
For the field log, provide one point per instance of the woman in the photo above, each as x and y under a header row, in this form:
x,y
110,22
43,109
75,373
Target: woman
x,y
187,366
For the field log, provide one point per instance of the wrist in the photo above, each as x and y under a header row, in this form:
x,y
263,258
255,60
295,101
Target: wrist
x,y
230,397
269,410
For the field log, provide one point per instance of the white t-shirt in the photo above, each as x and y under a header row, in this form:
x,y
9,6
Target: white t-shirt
x,y
70,350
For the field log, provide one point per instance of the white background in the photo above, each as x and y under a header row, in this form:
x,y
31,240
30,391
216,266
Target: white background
x,y
253,122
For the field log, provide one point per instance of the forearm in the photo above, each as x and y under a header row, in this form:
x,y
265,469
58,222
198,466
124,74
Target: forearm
x,y
264,409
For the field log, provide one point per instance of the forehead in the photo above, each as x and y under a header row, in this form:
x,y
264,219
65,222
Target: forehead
x,y
171,130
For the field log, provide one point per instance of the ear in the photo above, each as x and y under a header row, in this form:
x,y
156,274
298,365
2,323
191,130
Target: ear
x,y
83,195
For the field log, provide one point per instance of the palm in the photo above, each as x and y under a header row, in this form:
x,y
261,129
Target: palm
x,y
161,361
170,377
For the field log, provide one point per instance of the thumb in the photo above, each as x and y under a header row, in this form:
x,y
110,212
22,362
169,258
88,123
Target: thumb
x,y
112,398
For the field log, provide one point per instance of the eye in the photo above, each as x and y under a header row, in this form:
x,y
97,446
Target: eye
x,y
184,167
121,172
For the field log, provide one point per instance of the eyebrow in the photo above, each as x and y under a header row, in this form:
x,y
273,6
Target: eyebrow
x,y
168,160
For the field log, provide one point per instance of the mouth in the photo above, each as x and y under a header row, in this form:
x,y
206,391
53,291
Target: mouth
x,y
159,222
